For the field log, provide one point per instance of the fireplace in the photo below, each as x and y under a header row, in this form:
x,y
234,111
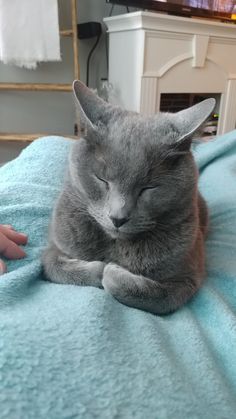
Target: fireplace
x,y
162,62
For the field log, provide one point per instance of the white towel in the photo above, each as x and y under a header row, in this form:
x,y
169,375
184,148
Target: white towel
x,y
29,32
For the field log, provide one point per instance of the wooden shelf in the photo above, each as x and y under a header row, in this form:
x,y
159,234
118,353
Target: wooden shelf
x,y
47,87
36,87
30,137
66,32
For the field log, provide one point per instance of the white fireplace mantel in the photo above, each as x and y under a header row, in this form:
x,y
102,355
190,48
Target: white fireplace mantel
x,y
152,53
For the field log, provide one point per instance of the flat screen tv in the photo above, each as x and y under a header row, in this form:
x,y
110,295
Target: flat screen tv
x,y
217,9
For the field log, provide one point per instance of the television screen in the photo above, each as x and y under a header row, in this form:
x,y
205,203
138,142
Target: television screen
x,y
224,9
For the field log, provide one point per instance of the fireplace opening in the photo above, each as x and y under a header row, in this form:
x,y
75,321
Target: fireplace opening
x,y
174,102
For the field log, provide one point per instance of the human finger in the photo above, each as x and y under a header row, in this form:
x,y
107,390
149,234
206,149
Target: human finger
x,y
10,249
8,226
15,236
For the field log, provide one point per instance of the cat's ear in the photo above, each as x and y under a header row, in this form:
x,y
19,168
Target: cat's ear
x,y
93,111
190,120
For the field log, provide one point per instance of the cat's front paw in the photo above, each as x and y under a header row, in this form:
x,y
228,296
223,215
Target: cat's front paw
x,y
96,269
115,280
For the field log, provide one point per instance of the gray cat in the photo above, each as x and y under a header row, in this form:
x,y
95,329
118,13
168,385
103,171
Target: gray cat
x,y
130,218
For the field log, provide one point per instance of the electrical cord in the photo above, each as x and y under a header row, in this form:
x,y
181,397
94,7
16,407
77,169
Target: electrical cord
x,y
111,11
106,48
89,57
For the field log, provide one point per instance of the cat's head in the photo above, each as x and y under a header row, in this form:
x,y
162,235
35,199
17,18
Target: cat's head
x,y
134,172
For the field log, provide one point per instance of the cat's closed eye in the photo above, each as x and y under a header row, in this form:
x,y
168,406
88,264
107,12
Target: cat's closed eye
x,y
101,180
147,188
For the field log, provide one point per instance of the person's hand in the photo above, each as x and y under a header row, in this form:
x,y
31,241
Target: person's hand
x,y
9,245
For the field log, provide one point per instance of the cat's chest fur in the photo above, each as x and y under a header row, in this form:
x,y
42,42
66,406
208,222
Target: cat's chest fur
x,y
87,241
144,255
148,254
135,256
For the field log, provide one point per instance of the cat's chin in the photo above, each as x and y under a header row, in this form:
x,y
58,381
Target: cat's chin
x,y
118,234
114,234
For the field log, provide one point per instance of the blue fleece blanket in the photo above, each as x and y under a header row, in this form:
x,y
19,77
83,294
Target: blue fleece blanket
x,y
74,352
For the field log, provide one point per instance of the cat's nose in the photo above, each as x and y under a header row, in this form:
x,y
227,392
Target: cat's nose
x,y
118,222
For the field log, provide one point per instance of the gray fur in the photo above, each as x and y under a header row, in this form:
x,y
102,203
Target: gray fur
x,y
137,172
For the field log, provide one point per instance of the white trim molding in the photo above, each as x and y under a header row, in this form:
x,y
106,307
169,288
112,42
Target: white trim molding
x,y
228,120
200,46
149,95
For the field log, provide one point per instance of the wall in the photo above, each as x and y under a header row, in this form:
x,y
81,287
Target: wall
x,y
52,112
